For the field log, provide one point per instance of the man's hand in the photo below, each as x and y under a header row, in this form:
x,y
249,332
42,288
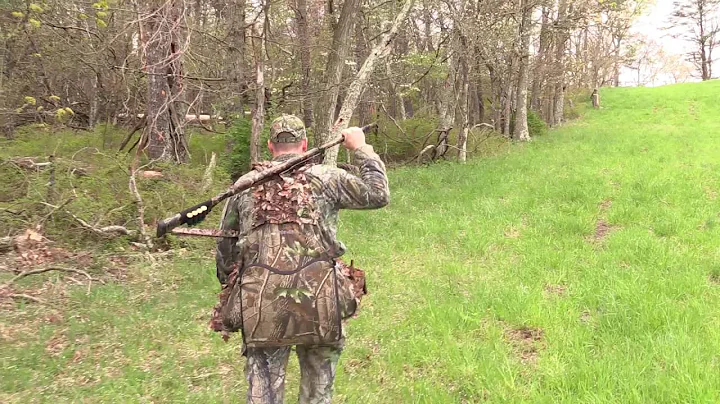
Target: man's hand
x,y
354,138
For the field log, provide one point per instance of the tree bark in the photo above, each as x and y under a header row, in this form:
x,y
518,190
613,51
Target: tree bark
x,y
465,112
365,111
539,75
355,90
616,75
236,64
301,18
258,118
507,108
92,117
562,37
164,138
521,132
327,104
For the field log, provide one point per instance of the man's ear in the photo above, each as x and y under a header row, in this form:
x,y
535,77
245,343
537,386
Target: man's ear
x,y
270,147
304,145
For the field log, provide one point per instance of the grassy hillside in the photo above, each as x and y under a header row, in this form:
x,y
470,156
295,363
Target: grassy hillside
x,y
583,267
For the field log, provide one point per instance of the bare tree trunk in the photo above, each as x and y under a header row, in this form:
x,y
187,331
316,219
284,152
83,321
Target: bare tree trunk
x,y
449,100
164,137
301,17
236,38
559,96
354,91
465,113
258,119
92,117
427,26
496,93
616,75
480,102
365,113
507,108
521,124
402,46
392,107
539,75
327,104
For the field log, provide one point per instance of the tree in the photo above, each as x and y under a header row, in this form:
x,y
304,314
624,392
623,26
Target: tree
x,y
164,46
521,125
701,24
328,103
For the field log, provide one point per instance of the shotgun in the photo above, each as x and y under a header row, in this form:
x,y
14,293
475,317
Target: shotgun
x,y
197,213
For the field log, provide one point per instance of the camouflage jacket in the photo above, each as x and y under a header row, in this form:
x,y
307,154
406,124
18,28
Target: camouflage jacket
x,y
332,189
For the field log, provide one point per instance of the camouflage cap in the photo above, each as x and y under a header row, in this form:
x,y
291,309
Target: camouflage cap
x,y
287,129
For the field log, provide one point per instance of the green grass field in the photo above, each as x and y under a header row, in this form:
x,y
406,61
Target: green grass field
x,y
582,267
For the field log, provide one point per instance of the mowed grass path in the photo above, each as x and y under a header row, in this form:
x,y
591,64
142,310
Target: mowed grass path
x,y
583,267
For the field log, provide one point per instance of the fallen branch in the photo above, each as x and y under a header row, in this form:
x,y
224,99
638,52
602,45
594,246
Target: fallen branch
x,y
423,151
483,124
54,209
140,207
6,244
208,176
26,297
30,164
103,231
48,269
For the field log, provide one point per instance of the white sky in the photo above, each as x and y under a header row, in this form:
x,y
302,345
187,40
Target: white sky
x,y
651,25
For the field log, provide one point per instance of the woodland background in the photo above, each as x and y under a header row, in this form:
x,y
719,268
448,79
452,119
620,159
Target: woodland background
x,y
455,68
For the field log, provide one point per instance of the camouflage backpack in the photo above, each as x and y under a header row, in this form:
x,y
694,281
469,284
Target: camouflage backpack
x,y
290,291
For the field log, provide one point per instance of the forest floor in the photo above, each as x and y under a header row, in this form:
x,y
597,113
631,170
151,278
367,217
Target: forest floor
x,y
581,267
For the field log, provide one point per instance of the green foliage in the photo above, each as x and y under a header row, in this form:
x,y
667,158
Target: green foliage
x,y
18,14
89,169
35,8
577,103
237,162
100,5
63,114
536,125
394,145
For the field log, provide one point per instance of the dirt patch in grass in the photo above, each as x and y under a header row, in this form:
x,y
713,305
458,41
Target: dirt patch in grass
x,y
714,277
602,230
559,290
526,341
57,344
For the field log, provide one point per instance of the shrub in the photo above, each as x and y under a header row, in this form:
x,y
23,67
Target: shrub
x,y
536,125
237,157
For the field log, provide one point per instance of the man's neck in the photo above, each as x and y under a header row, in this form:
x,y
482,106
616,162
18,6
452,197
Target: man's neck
x,y
285,156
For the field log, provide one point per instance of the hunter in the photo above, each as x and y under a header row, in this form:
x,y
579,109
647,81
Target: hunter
x,y
285,281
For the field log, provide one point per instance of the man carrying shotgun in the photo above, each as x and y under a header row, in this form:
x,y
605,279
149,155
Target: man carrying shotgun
x,y
286,287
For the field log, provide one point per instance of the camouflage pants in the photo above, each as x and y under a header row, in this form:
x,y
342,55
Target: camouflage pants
x,y
265,372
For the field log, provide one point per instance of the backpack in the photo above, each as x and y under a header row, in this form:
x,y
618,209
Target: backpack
x,y
290,290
